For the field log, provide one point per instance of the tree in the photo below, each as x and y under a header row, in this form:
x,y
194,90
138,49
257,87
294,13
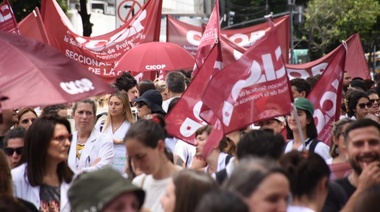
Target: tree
x,y
22,8
327,23
87,25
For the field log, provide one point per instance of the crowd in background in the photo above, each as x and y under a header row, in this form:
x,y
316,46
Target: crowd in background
x,y
124,159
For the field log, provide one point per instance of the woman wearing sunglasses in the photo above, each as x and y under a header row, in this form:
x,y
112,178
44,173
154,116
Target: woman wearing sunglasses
x,y
14,144
358,105
44,177
375,100
149,103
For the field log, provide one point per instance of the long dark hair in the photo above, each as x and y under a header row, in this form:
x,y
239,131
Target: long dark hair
x,y
311,129
36,143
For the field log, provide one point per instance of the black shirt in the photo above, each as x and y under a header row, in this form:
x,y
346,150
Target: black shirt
x,y
347,186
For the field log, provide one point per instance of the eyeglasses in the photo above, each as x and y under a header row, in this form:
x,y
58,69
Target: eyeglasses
x,y
10,151
374,100
140,104
62,138
362,105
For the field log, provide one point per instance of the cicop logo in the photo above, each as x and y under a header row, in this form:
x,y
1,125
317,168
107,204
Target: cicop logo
x,y
77,86
155,67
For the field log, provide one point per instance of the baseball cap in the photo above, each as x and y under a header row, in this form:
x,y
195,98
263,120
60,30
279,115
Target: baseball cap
x,y
304,104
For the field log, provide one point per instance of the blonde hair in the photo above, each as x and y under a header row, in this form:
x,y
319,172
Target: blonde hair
x,y
160,85
128,116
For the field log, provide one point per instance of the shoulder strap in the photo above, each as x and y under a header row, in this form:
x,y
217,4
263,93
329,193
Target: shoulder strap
x,y
228,158
221,176
313,144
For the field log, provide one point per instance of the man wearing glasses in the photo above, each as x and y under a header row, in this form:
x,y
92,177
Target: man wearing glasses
x,y
14,143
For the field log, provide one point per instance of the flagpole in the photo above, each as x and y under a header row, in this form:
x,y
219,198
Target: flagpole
x,y
295,115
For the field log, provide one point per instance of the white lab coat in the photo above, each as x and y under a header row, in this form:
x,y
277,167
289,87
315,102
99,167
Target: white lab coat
x,y
98,145
22,189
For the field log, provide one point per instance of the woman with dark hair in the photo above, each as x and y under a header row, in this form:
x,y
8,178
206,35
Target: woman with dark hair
x,y
309,177
263,185
358,105
26,116
187,189
56,110
145,142
145,85
374,99
149,103
305,111
44,177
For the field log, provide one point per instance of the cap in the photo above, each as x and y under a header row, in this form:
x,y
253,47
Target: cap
x,y
153,99
304,104
92,191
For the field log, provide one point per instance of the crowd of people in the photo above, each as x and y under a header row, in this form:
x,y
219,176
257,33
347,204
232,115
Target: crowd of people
x,y
125,160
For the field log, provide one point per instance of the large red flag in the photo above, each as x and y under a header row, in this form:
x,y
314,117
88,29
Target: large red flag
x,y
33,27
8,21
188,36
356,65
183,120
252,89
101,53
327,95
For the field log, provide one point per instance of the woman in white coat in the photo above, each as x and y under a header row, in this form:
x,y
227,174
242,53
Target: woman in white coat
x,y
44,177
90,149
116,125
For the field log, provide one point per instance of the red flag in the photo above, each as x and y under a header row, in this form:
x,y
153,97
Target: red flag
x,y
252,89
327,98
209,38
188,36
8,21
33,27
355,63
101,53
183,120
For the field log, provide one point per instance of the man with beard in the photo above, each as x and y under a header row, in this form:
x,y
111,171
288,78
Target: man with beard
x,y
362,139
7,119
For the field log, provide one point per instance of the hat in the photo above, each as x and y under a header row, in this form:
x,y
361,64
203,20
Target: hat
x,y
93,190
153,99
280,119
304,104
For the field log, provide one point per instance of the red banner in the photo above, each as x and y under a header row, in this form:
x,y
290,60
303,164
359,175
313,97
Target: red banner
x,y
33,27
8,21
327,98
101,53
189,36
252,89
356,64
183,120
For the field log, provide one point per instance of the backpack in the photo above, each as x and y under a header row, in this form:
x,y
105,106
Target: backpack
x,y
222,174
313,144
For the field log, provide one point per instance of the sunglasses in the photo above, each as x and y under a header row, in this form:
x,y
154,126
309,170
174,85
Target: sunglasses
x,y
140,104
374,100
62,138
10,151
362,105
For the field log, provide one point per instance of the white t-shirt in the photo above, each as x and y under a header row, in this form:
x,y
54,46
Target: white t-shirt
x,y
154,190
185,151
170,143
321,149
165,104
293,208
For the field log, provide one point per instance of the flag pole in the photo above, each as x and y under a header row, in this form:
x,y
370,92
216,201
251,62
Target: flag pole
x,y
302,136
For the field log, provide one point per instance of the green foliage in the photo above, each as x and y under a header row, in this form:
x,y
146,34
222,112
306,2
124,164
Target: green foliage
x,y
22,8
329,21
